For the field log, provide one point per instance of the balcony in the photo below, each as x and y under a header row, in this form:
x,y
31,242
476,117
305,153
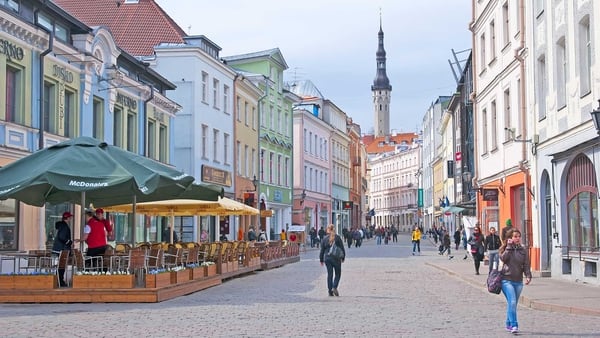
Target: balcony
x,y
357,162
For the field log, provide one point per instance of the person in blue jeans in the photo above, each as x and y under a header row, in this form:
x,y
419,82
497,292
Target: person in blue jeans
x,y
492,245
334,265
516,264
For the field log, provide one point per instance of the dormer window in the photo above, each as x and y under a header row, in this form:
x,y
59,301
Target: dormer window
x,y
131,1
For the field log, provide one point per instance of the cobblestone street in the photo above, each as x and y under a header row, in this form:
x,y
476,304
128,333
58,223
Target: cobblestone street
x,y
384,292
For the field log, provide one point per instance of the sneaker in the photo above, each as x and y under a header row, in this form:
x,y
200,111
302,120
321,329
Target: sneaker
x,y
514,329
450,257
330,293
335,292
413,253
509,328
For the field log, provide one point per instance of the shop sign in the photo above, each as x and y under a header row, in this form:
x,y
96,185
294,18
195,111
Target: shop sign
x,y
216,176
11,50
62,73
127,101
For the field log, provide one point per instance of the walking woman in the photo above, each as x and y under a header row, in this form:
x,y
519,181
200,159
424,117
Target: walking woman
x,y
334,265
416,240
477,249
516,264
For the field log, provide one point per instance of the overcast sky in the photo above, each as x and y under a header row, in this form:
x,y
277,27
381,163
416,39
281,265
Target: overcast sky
x,y
333,44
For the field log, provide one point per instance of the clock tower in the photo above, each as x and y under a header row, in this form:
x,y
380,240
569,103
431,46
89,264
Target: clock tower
x,y
382,91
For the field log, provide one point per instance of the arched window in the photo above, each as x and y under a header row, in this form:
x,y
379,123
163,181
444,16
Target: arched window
x,y
582,199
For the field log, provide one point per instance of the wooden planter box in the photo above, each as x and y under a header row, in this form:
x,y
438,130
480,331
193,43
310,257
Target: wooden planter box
x,y
221,268
28,282
210,270
196,273
158,280
103,282
180,276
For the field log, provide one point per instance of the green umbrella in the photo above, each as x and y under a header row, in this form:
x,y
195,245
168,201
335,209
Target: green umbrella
x,y
104,174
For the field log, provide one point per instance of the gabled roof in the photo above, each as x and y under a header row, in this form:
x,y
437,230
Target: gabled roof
x,y
378,145
305,89
136,26
274,54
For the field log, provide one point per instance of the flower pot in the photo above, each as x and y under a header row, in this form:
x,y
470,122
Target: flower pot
x,y
158,280
221,268
7,282
103,281
210,270
36,282
180,276
197,272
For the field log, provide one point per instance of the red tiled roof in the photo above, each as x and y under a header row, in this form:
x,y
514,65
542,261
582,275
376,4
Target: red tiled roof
x,y
372,143
136,27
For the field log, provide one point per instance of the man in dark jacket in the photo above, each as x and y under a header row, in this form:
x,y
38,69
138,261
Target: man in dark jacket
x,y
492,244
62,241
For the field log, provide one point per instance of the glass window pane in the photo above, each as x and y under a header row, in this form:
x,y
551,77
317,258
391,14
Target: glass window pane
x,y
573,222
584,218
8,222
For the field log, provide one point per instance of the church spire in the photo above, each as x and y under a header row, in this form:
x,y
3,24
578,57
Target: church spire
x,y
381,79
381,90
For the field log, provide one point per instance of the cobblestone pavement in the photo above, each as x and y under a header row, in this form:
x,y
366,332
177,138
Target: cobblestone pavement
x,y
384,292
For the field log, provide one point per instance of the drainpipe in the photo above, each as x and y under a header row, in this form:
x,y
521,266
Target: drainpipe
x,y
41,84
146,120
523,111
260,155
473,97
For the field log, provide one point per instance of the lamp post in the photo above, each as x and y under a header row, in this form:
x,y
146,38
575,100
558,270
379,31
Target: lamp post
x,y
596,117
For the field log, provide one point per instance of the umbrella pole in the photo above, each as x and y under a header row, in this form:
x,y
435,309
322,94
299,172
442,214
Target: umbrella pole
x,y
133,236
172,227
82,223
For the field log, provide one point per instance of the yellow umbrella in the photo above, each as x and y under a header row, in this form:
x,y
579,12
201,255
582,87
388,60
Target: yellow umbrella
x,y
184,207
222,207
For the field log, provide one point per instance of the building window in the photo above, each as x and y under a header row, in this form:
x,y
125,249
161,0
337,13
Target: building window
x,y
226,99
286,172
50,116
9,225
505,24
204,87
12,4
482,50
14,96
585,56
69,115
225,148
215,145
152,139
507,133
492,41
542,86
131,132
238,157
286,124
204,141
494,126
238,108
484,131
246,117
163,143
254,118
279,172
582,199
271,164
118,127
98,118
216,93
561,73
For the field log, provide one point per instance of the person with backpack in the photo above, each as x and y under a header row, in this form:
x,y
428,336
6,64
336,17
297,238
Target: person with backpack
x,y
333,263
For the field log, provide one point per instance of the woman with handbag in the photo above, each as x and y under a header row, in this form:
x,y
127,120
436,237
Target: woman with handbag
x,y
516,264
477,249
332,255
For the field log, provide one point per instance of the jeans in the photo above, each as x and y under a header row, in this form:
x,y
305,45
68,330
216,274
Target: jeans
x,y
512,292
494,257
416,245
333,265
378,240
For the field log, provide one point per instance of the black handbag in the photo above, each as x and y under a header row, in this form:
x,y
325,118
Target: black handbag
x,y
494,281
336,252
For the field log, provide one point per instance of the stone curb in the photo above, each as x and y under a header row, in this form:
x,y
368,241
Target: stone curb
x,y
525,300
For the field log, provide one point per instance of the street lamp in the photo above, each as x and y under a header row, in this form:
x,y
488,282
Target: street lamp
x,y
302,197
255,182
596,118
